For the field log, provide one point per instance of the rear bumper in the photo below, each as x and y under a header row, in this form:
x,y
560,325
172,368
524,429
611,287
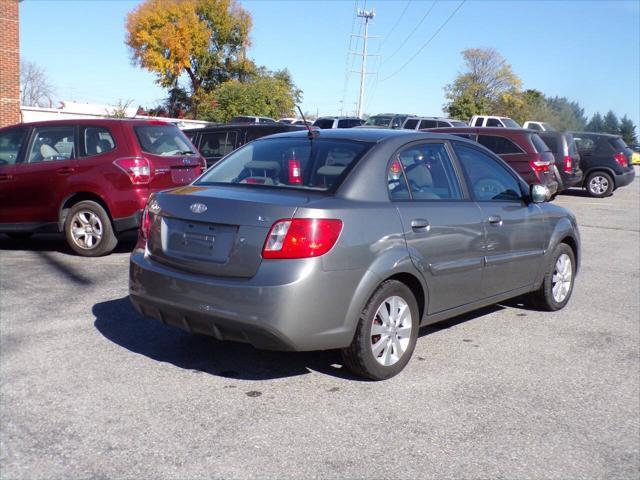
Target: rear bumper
x,y
625,178
127,223
287,305
572,179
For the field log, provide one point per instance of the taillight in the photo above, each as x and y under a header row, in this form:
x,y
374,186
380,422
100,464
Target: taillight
x,y
145,223
295,174
138,169
568,164
396,168
301,238
203,164
539,166
621,158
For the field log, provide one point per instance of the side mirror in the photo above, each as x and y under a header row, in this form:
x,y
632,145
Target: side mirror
x,y
539,193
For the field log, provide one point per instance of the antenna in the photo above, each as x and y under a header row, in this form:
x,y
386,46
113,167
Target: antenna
x,y
310,133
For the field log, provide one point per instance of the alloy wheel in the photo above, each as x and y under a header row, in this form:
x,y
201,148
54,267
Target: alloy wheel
x,y
391,331
86,229
562,278
598,185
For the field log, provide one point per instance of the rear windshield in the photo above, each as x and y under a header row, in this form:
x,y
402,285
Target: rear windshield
x,y
165,140
509,123
539,145
618,143
551,141
378,121
288,162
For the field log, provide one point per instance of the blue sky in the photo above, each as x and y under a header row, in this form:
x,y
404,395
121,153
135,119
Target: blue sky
x,y
588,51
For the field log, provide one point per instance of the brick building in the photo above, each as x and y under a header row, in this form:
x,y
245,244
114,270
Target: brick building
x,y
9,63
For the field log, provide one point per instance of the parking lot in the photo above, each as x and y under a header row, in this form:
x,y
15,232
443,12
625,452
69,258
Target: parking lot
x,y
89,388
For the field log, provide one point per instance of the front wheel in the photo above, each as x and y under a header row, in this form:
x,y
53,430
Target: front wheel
x,y
386,334
599,185
557,286
88,230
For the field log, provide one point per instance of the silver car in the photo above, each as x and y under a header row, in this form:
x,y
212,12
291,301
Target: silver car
x,y
349,239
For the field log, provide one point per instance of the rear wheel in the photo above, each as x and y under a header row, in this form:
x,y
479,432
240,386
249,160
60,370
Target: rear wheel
x,y
557,286
88,230
386,334
599,184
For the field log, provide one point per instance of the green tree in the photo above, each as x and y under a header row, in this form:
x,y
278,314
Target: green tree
x,y
628,131
205,40
488,83
611,123
596,124
566,114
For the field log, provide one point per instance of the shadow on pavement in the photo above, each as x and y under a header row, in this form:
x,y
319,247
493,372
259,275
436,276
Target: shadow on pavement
x,y
575,192
55,242
119,322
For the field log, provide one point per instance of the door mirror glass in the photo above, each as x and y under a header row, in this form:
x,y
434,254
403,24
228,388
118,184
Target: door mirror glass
x,y
539,193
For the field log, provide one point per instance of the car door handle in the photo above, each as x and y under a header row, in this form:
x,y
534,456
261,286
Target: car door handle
x,y
5,177
495,220
65,170
420,225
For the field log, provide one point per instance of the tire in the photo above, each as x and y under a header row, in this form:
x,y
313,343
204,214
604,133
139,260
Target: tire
x,y
599,185
359,357
19,236
545,298
98,237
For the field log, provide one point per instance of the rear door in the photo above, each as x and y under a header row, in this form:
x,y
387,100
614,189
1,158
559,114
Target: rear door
x,y
442,225
514,231
44,177
12,147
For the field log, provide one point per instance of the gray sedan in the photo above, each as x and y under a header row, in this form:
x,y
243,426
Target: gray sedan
x,y
349,239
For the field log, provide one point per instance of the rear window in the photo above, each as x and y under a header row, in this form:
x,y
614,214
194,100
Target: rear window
x,y
165,140
323,123
551,141
411,123
509,123
538,144
499,145
10,144
618,143
378,121
288,162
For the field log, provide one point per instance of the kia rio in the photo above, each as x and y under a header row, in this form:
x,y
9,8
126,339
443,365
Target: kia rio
x,y
349,239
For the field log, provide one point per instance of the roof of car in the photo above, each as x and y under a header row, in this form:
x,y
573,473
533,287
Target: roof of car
x,y
249,126
600,134
483,130
93,121
359,134
338,117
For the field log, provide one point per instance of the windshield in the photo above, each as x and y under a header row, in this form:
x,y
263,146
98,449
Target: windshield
x,y
163,140
378,121
288,162
509,123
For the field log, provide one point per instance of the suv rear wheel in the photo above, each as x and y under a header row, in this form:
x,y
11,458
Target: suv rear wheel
x,y
386,334
599,184
88,230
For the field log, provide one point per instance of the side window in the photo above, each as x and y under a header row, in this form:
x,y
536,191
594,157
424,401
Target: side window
x,y
493,122
499,145
478,122
411,124
343,124
97,140
423,172
428,124
488,180
443,124
584,143
10,144
52,143
217,144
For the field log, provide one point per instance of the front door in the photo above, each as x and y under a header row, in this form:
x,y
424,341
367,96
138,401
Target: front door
x,y
514,231
442,225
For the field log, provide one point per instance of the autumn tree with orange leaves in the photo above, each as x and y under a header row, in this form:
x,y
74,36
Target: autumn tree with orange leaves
x,y
204,39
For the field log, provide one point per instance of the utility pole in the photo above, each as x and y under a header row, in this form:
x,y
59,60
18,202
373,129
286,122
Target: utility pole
x,y
366,15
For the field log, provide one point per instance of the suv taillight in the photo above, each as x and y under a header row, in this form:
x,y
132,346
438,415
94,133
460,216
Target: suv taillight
x,y
301,238
539,166
621,158
137,168
568,164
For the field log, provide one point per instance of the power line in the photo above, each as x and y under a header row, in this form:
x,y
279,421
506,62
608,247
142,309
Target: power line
x,y
394,25
427,42
412,32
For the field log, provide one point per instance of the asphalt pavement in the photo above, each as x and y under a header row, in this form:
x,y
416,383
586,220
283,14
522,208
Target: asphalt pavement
x,y
90,389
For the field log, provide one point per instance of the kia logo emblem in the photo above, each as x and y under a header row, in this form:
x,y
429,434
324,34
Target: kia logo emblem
x,y
186,161
198,208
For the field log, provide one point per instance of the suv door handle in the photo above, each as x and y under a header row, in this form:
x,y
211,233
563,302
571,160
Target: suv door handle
x,y
495,220
5,177
420,225
65,170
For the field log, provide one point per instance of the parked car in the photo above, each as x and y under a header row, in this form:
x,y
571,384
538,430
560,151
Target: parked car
x,y
350,240
423,123
337,122
294,121
606,162
522,149
250,119
386,120
88,178
566,156
490,121
538,126
215,142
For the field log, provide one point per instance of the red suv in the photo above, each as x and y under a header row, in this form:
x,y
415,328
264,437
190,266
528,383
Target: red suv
x,y
88,178
522,149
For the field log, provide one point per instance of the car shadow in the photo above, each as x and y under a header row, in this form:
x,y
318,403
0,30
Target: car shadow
x,y
575,192
120,323
55,242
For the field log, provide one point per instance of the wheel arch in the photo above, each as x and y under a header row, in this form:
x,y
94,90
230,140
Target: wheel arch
x,y
608,170
76,197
